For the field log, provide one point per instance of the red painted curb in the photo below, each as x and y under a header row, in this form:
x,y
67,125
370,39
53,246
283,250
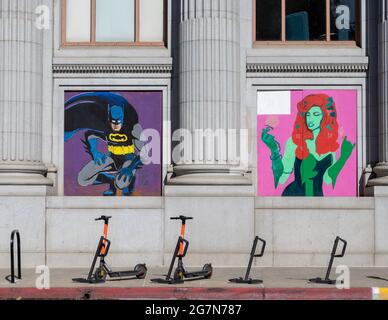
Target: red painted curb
x,y
185,293
319,294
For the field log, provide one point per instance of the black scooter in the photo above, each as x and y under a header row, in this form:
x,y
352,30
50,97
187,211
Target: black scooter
x,y
180,273
100,274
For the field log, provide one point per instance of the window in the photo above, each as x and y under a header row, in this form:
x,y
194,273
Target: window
x,y
113,22
300,21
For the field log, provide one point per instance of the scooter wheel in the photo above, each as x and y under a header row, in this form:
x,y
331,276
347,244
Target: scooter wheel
x,y
100,275
209,269
141,271
178,275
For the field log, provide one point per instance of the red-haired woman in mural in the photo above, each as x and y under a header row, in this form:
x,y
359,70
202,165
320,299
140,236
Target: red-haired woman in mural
x,y
311,151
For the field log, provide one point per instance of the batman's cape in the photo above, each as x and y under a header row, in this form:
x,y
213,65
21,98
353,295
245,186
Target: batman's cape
x,y
90,111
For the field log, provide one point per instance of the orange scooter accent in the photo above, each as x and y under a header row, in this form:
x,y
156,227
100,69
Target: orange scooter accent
x,y
183,228
180,273
103,248
100,274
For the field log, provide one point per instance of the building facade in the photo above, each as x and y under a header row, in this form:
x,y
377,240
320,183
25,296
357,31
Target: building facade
x,y
256,117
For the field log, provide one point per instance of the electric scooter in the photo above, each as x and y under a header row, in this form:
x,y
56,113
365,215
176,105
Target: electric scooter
x,y
100,274
180,273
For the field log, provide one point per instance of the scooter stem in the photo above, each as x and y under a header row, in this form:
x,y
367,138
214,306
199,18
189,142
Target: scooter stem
x,y
183,228
106,223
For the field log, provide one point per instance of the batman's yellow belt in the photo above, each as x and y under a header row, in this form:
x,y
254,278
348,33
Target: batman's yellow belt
x,y
121,150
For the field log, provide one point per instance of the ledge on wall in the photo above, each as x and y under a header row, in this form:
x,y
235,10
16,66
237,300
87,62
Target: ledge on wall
x,y
378,183
315,203
218,179
377,190
29,177
110,203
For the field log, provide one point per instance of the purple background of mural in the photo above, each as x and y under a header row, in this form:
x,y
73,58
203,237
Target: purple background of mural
x,y
148,179
346,103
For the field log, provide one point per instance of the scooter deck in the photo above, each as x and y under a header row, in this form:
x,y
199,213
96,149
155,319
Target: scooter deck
x,y
83,280
167,281
122,274
198,274
187,276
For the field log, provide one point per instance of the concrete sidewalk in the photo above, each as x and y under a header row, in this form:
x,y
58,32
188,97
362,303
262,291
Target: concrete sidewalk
x,y
279,283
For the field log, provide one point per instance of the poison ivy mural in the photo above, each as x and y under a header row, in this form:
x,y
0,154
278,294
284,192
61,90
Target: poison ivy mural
x,y
306,143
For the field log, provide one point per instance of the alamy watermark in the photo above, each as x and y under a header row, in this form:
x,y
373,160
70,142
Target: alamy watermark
x,y
42,282
208,146
343,17
343,277
42,21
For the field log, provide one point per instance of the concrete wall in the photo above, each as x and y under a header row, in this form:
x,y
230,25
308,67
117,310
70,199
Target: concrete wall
x,y
301,232
61,232
136,230
28,215
381,223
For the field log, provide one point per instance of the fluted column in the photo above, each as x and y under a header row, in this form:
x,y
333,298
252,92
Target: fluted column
x,y
21,78
383,81
209,88
381,170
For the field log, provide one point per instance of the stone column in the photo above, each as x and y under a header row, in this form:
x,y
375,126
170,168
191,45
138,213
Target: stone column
x,y
21,79
381,170
209,93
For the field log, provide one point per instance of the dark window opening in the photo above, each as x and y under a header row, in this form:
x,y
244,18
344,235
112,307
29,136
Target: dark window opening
x,y
269,20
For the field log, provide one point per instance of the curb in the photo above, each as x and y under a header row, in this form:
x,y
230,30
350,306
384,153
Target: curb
x,y
169,293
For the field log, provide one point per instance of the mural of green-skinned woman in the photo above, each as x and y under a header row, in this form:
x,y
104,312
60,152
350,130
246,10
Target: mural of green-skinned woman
x,y
311,151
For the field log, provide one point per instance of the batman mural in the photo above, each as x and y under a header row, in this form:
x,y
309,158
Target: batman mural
x,y
108,126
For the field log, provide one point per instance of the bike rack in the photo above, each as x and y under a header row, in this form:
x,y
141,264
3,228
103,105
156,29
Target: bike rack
x,y
327,279
247,279
11,277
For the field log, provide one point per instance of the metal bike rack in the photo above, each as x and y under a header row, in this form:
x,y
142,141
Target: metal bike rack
x,y
247,279
327,279
11,277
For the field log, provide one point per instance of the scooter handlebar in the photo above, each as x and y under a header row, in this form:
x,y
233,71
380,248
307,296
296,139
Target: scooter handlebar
x,y
181,218
105,218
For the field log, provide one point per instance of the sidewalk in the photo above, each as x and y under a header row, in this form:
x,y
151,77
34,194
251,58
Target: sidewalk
x,y
279,283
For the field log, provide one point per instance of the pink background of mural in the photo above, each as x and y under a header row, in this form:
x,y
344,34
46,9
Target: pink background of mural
x,y
346,104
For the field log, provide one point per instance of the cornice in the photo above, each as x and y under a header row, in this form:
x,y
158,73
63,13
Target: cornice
x,y
110,68
302,68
